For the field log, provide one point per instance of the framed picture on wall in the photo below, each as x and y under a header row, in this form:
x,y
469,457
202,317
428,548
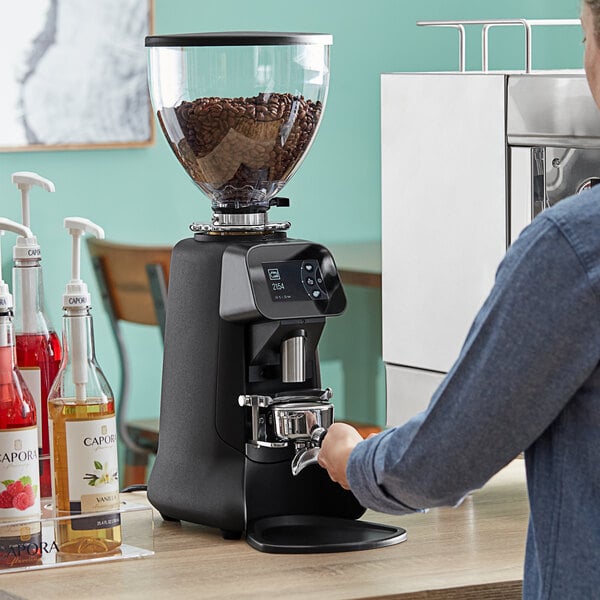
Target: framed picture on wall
x,y
74,75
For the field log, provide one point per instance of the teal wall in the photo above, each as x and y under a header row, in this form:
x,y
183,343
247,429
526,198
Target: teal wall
x,y
143,195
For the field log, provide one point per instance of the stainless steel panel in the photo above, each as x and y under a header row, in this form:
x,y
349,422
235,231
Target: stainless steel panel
x,y
567,171
542,176
521,190
552,109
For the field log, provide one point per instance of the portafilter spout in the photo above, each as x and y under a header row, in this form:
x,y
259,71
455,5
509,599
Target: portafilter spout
x,y
309,451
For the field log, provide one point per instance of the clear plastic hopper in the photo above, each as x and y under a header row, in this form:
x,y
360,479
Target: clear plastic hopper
x,y
239,109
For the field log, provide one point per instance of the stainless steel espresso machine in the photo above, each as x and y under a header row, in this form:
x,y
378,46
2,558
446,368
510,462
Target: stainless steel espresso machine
x,y
243,409
469,158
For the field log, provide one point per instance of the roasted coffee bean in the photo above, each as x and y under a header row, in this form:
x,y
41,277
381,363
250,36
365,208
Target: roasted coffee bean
x,y
235,147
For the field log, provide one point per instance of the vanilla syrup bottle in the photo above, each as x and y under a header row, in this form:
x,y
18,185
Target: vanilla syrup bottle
x,y
20,511
83,428
38,346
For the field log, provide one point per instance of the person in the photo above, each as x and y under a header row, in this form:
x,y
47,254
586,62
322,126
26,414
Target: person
x,y
527,379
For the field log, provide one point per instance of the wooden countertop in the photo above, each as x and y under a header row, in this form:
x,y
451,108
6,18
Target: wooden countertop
x,y
474,551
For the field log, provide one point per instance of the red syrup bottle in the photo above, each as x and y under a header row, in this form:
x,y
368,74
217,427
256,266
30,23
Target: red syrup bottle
x,y
37,344
20,508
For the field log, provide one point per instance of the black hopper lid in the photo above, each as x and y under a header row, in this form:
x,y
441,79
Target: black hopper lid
x,y
238,38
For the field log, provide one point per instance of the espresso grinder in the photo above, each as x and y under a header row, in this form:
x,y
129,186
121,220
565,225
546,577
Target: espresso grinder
x,y
243,409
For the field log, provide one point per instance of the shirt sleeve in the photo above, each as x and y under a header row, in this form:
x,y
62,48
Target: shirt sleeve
x,y
532,345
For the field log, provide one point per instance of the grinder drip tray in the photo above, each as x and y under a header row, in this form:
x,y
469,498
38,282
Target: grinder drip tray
x,y
305,534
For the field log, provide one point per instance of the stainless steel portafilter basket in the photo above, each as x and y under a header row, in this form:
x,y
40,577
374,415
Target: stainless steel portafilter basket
x,y
305,424
297,420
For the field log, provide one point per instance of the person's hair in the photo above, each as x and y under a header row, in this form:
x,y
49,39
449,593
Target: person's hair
x,y
595,8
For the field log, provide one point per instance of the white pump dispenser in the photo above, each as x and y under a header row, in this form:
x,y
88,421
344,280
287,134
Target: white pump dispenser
x,y
6,301
27,250
25,180
76,294
77,302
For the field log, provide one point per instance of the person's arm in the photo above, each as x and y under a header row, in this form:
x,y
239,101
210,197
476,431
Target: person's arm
x,y
533,344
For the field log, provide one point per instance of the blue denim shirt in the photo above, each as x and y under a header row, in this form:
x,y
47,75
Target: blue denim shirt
x,y
527,379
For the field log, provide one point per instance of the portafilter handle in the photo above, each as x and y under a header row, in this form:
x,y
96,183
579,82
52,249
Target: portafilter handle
x,y
310,453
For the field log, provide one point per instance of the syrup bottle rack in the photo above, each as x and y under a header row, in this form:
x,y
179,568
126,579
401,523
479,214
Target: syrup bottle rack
x,y
137,531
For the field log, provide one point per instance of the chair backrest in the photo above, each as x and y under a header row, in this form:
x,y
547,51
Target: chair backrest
x,y
133,280
133,286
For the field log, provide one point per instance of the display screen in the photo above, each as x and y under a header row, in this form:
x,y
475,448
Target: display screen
x,y
295,280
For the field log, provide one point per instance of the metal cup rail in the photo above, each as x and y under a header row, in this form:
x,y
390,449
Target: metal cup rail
x,y
488,24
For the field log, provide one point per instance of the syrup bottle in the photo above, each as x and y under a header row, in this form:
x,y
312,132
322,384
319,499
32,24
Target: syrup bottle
x,y
38,346
20,540
83,430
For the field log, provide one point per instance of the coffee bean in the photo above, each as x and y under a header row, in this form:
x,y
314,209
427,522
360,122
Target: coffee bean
x,y
236,147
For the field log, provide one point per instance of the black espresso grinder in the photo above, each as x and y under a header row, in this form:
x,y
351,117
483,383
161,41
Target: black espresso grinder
x,y
243,410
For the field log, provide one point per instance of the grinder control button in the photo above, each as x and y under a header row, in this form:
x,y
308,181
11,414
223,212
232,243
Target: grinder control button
x,y
312,279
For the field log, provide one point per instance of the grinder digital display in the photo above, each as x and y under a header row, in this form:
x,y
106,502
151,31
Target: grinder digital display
x,y
295,280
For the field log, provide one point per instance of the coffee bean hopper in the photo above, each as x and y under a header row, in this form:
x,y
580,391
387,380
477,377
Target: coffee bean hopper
x,y
243,410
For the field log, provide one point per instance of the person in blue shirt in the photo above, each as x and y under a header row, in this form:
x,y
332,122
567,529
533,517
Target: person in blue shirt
x,y
527,379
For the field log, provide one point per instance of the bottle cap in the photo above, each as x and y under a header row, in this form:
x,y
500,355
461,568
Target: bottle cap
x,y
6,301
76,294
28,247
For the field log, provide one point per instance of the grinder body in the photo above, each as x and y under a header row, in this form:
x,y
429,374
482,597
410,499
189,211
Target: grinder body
x,y
226,323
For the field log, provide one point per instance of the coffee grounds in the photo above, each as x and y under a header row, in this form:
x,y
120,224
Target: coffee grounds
x,y
233,144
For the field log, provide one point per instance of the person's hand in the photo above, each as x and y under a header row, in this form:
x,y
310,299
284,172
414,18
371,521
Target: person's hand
x,y
335,450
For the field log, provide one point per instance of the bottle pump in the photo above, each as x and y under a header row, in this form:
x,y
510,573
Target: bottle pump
x,y
37,344
6,299
27,248
83,424
77,302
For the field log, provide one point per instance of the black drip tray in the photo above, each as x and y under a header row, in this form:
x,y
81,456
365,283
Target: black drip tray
x,y
304,534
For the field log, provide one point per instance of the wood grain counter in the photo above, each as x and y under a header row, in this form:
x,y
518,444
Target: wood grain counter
x,y
474,551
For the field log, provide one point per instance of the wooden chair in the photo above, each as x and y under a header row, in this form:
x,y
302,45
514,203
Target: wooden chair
x,y
133,285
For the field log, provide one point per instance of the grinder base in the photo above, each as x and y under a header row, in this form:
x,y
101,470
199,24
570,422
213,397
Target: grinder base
x,y
306,534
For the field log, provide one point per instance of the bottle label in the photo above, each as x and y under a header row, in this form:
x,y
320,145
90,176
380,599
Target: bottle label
x,y
93,472
19,482
33,380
